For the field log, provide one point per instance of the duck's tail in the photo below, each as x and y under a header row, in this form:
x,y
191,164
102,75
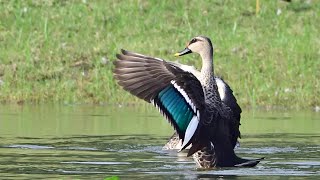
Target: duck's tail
x,y
247,162
226,157
210,157
217,152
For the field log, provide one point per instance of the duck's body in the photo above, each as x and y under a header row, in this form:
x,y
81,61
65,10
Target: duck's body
x,y
226,96
190,101
225,92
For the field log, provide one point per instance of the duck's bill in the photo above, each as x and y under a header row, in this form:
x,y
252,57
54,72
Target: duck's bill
x,y
183,52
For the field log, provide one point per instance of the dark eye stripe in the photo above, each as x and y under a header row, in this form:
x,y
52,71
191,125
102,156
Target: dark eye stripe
x,y
193,40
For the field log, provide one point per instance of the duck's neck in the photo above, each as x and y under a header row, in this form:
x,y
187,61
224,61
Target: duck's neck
x,y
208,82
207,68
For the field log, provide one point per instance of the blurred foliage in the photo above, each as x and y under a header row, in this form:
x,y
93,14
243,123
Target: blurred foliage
x,y
62,51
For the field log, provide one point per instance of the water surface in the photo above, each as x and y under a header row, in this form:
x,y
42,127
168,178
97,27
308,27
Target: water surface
x,y
95,142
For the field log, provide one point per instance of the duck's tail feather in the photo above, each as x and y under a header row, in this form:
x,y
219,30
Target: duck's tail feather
x,y
226,156
248,162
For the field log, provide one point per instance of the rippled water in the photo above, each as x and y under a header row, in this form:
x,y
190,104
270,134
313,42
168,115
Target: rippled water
x,y
96,142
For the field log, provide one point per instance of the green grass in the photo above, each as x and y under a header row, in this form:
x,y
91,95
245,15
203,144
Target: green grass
x,y
62,51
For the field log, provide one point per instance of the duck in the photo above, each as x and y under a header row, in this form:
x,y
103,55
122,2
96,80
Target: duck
x,y
189,100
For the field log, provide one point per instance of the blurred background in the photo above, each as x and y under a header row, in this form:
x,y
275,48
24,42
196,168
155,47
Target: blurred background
x,y
62,51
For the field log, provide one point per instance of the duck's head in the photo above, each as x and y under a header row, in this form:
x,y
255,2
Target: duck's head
x,y
199,44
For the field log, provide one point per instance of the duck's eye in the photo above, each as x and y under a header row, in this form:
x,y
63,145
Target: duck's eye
x,y
193,40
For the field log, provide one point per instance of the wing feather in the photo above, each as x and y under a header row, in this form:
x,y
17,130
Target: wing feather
x,y
177,93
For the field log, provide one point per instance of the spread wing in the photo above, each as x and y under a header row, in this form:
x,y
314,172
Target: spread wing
x,y
232,107
176,93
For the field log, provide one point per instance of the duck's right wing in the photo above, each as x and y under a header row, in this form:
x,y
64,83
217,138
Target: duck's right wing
x,y
187,68
176,93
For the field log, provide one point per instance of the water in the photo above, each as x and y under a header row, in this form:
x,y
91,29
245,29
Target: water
x,y
96,142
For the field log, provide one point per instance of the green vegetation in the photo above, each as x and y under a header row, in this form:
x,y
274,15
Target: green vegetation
x,y
62,51
112,178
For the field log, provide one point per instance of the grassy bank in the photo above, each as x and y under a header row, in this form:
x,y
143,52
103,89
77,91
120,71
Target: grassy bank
x,y
62,51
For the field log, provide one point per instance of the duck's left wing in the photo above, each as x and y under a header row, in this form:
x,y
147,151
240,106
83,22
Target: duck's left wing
x,y
232,107
176,93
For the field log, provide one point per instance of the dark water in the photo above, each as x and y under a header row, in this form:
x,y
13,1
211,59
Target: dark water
x,y
96,142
